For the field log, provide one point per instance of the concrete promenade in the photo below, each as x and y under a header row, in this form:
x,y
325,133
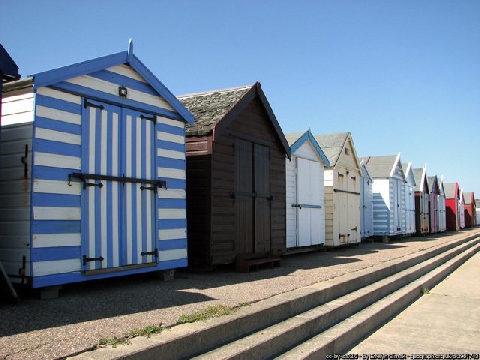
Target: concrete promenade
x,y
446,320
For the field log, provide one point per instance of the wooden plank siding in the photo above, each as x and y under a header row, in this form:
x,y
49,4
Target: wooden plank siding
x,y
221,172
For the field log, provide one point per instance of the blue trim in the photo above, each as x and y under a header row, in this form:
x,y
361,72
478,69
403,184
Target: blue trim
x,y
308,136
172,244
115,100
142,70
58,125
58,104
172,204
55,147
171,163
122,80
41,199
168,145
55,253
67,72
56,226
164,224
175,130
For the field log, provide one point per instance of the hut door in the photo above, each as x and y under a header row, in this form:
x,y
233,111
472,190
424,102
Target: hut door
x,y
397,205
252,197
118,220
309,230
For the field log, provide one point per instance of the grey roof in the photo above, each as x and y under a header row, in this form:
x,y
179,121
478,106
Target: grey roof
x,y
332,145
468,197
380,166
293,137
210,107
418,175
450,190
431,181
8,67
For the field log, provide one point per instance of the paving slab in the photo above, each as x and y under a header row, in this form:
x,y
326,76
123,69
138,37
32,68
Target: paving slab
x,y
446,320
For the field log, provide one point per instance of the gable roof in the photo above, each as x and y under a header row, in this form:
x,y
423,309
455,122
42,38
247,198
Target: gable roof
x,y
432,183
364,169
420,175
8,68
383,166
55,76
408,171
333,145
469,198
217,107
295,140
451,190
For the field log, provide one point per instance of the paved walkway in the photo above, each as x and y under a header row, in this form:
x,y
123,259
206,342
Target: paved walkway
x,y
444,321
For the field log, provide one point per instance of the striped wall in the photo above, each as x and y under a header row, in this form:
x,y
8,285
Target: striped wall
x,y
384,205
57,206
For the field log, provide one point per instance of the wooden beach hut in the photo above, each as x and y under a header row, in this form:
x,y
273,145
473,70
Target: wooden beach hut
x,y
470,209
305,192
92,178
422,201
434,193
452,197
461,209
442,216
366,203
410,184
388,194
236,188
342,189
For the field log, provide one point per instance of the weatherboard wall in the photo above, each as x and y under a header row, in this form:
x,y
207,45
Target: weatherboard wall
x,y
366,204
53,239
304,186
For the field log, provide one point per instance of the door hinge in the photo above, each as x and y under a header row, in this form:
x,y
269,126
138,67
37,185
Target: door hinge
x,y
87,259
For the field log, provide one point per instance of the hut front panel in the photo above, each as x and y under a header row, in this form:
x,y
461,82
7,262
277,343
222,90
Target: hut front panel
x,y
461,213
122,144
409,208
305,186
442,217
15,210
366,206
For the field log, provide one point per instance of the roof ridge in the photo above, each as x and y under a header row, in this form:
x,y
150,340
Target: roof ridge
x,y
220,91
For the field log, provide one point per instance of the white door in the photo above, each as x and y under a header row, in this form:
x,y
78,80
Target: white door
x,y
309,207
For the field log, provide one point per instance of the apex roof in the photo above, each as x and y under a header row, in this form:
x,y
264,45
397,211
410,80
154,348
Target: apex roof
x,y
333,145
381,166
212,107
420,175
295,140
451,190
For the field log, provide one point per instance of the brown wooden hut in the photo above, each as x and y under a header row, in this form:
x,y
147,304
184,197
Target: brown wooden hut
x,y
236,186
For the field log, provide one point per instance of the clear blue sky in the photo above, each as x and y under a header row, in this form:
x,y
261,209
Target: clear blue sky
x,y
401,76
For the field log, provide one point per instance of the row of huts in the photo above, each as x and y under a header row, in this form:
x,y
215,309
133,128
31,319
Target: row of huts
x,y
102,168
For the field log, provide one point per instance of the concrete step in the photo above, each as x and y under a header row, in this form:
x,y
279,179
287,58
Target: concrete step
x,y
299,308
296,330
341,337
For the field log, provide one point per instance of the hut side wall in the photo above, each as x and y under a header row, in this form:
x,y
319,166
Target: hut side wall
x,y
199,181
409,208
442,217
15,199
452,214
366,206
382,216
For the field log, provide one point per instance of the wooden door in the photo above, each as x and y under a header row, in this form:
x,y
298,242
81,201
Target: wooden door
x,y
252,198
118,217
309,208
353,204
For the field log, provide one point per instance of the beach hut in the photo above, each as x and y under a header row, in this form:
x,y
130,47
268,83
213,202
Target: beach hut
x,y
388,194
461,209
470,209
422,201
236,188
409,199
434,193
442,216
342,189
92,178
366,203
477,211
452,197
305,192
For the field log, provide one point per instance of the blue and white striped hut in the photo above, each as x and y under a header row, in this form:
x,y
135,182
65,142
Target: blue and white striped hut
x,y
92,177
